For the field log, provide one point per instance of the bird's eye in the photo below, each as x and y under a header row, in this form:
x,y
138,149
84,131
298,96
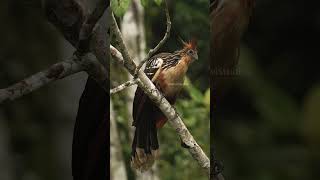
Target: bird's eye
x,y
190,51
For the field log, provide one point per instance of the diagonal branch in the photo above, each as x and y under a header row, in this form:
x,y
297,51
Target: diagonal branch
x,y
154,94
57,71
116,54
127,60
163,40
34,82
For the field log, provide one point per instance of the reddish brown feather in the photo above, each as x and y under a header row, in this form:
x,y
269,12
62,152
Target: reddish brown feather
x,y
161,122
190,45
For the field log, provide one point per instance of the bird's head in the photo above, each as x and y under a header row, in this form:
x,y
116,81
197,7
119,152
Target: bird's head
x,y
190,49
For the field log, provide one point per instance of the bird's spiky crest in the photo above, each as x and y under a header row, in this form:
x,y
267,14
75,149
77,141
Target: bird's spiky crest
x,y
189,45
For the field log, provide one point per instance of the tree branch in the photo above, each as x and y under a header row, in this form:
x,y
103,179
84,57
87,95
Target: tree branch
x,y
90,142
155,95
163,40
123,86
68,16
87,27
116,54
127,60
34,82
57,71
95,69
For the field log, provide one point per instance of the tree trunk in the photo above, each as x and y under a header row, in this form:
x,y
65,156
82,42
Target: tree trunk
x,y
133,32
118,169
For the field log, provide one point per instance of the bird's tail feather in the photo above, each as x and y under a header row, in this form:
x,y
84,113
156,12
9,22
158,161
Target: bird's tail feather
x,y
145,143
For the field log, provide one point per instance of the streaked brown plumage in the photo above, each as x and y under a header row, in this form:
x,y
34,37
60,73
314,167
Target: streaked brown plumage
x,y
167,71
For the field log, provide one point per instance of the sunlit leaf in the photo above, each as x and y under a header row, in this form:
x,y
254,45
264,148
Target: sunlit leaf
x,y
119,7
311,115
206,99
195,94
145,3
158,2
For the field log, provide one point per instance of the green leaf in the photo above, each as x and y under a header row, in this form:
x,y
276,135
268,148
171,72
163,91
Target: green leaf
x,y
119,7
145,3
206,99
158,2
195,94
311,116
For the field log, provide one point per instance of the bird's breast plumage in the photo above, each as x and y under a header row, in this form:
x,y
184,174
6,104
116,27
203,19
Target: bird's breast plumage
x,y
171,80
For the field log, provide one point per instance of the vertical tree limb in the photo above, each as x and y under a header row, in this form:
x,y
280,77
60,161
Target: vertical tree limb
x,y
118,170
133,31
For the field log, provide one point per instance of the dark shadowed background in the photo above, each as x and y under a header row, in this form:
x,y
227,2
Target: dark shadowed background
x,y
35,130
268,125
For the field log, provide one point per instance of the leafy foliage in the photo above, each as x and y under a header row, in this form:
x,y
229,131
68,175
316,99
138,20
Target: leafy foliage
x,y
147,3
158,2
195,112
119,7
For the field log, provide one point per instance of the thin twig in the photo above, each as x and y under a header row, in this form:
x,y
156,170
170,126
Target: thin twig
x,y
164,39
34,82
123,86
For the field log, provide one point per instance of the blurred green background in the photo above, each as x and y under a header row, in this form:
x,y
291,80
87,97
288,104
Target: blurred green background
x,y
268,124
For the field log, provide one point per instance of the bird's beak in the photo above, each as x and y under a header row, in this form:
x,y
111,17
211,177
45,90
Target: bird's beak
x,y
195,56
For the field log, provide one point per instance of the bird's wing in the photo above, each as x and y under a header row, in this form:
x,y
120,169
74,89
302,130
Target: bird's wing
x,y
152,66
163,60
147,117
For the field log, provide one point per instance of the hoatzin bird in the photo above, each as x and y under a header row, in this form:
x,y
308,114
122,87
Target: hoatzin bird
x,y
167,72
